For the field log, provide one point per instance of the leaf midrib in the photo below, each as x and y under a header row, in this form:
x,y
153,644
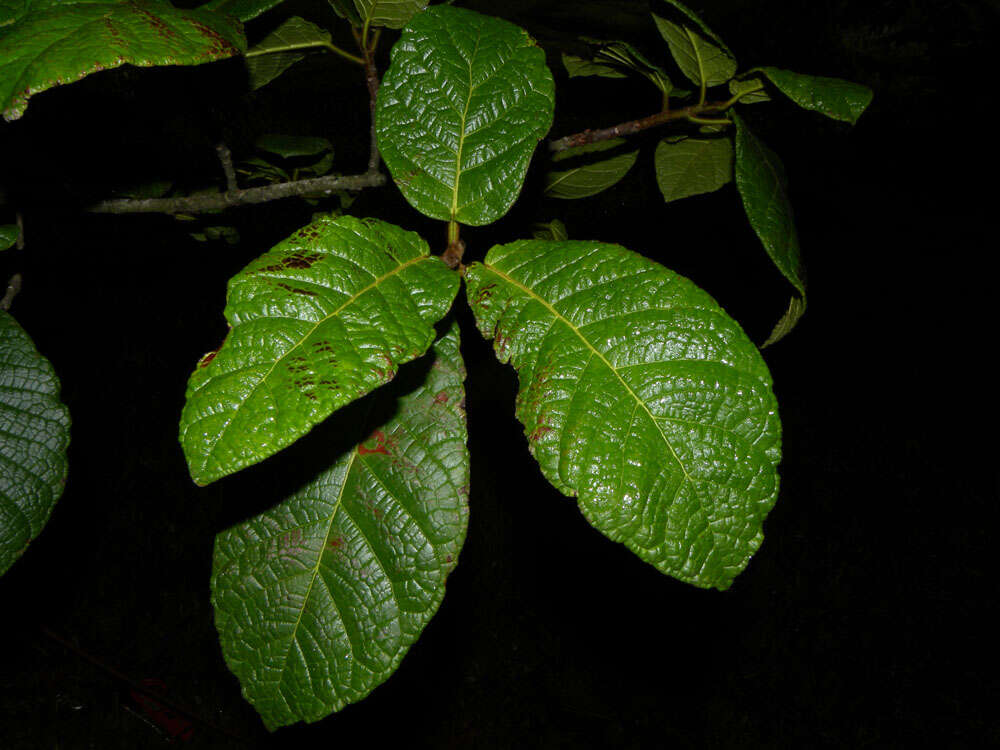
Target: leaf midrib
x,y
599,354
462,134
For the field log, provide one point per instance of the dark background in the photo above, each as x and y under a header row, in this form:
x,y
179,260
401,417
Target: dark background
x,y
862,622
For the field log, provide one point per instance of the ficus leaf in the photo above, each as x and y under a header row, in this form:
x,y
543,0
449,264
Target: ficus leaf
x,y
319,599
34,435
462,106
763,187
640,397
244,10
282,48
318,321
833,97
54,42
589,177
692,166
698,52
392,13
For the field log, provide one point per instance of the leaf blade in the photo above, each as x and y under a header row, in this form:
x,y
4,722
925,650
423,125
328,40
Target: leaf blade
x,y
458,128
591,178
385,519
693,166
698,53
616,354
834,97
317,322
34,435
55,43
392,13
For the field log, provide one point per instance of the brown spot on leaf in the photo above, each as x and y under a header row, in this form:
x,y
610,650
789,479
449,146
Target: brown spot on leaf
x,y
381,444
441,397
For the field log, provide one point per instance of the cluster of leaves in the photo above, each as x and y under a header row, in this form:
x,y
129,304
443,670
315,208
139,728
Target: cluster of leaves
x,y
639,396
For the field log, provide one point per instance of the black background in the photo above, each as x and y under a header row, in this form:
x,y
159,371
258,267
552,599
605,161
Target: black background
x,y
862,622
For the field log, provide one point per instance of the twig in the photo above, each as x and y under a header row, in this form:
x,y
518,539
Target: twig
x,y
139,687
194,204
13,287
226,158
19,220
372,81
635,126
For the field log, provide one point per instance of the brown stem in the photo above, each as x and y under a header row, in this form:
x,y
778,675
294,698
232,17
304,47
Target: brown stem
x,y
635,126
13,287
226,159
195,204
372,81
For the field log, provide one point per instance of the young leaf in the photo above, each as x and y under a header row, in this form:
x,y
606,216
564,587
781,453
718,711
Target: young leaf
x,y
624,55
833,97
282,48
392,13
322,319
54,42
699,53
688,17
553,230
346,10
578,67
692,166
290,146
34,435
318,600
244,10
754,86
8,236
760,178
640,397
591,178
465,101
796,309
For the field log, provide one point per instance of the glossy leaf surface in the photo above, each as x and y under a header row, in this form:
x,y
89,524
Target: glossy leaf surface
x,y
588,177
460,111
698,53
392,13
282,48
8,236
692,166
319,599
241,9
56,42
833,97
640,397
320,320
34,435
763,187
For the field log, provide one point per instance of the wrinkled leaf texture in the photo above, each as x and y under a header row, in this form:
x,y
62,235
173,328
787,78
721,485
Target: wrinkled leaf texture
x,y
640,397
320,320
34,435
465,101
53,42
319,599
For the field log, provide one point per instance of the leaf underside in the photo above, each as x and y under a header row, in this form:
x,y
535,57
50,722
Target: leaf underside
x,y
319,599
244,10
700,58
640,397
693,166
590,178
763,187
54,42
320,320
465,101
34,435
282,48
392,13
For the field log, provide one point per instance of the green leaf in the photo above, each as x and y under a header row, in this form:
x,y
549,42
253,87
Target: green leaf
x,y
753,85
465,101
34,435
578,67
640,397
698,52
688,17
11,10
392,13
55,42
320,320
693,166
833,97
319,599
760,178
282,48
626,56
290,146
553,230
796,308
8,236
345,9
244,10
586,179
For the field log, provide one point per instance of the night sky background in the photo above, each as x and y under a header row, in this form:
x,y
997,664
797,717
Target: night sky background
x,y
863,621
